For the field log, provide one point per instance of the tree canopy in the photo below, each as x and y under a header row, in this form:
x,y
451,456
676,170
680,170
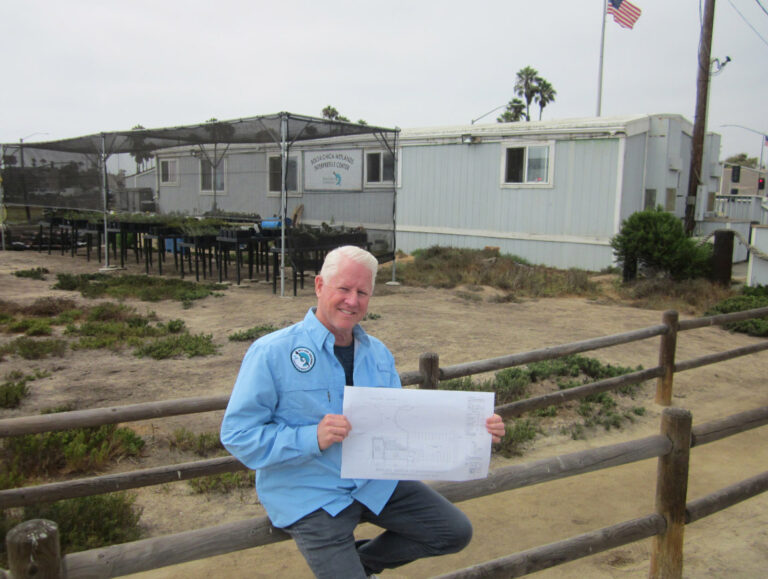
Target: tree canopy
x,y
529,88
742,159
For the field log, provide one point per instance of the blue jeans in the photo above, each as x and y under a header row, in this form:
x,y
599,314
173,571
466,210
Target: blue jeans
x,y
419,522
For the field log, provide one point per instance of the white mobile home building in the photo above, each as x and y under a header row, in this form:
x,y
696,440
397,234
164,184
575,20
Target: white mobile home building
x,y
551,192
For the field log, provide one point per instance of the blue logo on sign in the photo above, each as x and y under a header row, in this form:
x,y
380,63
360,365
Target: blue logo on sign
x,y
303,359
338,178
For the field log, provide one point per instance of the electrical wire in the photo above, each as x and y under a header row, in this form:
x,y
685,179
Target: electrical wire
x,y
761,7
747,22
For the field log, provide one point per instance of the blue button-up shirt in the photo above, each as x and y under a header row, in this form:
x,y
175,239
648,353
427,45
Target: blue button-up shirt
x,y
288,381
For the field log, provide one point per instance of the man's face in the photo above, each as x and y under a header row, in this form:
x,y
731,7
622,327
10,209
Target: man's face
x,y
342,300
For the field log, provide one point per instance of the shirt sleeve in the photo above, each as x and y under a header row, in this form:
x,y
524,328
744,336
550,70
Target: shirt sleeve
x,y
249,431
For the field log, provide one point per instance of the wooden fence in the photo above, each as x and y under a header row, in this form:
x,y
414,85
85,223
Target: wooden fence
x,y
671,447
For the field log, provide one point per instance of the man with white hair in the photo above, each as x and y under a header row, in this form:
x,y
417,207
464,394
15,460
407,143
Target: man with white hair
x,y
284,420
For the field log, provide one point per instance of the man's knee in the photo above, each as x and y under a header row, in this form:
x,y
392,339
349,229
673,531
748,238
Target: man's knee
x,y
456,536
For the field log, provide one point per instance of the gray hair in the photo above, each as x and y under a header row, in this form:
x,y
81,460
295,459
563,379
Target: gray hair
x,y
356,254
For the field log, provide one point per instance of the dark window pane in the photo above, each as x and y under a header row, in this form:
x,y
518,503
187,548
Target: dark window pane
x,y
274,174
373,168
514,169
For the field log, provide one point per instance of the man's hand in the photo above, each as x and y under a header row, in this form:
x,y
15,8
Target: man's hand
x,y
333,428
495,426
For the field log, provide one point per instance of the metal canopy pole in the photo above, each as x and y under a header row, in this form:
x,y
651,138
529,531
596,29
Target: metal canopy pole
x,y
104,197
283,195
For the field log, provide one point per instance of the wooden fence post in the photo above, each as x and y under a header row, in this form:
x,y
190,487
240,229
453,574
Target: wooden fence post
x,y
429,366
671,492
34,551
667,359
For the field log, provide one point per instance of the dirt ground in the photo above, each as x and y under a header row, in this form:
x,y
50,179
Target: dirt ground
x,y
733,543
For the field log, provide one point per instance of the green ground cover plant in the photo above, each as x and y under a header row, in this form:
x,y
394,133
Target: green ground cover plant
x,y
223,483
79,450
145,288
35,273
252,334
512,384
750,298
202,444
14,388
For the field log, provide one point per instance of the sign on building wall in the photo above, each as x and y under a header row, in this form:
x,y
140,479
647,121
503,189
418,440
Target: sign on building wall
x,y
340,170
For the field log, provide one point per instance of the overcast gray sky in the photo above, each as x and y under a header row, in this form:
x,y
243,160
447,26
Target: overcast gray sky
x,y
84,66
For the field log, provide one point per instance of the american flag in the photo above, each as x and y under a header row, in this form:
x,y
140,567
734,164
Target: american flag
x,y
624,13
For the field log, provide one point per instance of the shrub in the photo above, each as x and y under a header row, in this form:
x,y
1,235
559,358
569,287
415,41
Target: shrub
x,y
142,287
656,241
67,451
518,432
750,298
201,444
182,344
223,483
84,523
49,307
31,327
15,389
12,392
36,273
447,267
30,349
252,333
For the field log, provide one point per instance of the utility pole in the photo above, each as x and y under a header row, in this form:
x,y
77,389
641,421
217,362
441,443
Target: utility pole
x,y
700,120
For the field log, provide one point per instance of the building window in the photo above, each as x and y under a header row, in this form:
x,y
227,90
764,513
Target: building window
x,y
169,172
527,165
379,168
276,172
671,199
206,176
650,200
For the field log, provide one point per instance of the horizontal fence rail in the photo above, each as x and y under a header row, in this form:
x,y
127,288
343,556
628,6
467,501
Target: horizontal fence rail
x,y
554,554
110,415
98,485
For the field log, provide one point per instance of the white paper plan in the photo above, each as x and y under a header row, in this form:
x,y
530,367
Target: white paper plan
x,y
406,434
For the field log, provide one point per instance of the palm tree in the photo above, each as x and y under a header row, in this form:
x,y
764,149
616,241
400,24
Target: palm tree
x,y
526,87
544,95
514,112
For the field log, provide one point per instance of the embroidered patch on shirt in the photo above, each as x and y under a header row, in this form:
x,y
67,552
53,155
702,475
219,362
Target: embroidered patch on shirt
x,y
303,359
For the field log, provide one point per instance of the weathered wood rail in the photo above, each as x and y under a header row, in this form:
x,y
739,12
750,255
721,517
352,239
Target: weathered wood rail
x,y
671,447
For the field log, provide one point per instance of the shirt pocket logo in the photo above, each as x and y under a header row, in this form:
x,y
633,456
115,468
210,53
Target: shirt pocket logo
x,y
303,359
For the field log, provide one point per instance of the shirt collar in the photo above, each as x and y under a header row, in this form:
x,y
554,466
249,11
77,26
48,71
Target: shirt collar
x,y
320,335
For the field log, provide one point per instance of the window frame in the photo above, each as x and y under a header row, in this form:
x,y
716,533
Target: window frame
x,y
381,182
175,174
222,168
526,145
298,192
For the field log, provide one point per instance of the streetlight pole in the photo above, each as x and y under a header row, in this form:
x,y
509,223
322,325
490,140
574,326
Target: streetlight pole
x,y
763,139
473,121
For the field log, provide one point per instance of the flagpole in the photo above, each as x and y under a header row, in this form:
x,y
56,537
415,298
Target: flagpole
x,y
600,69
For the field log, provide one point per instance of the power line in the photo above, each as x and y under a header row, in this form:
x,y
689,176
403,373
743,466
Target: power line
x,y
761,6
747,22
